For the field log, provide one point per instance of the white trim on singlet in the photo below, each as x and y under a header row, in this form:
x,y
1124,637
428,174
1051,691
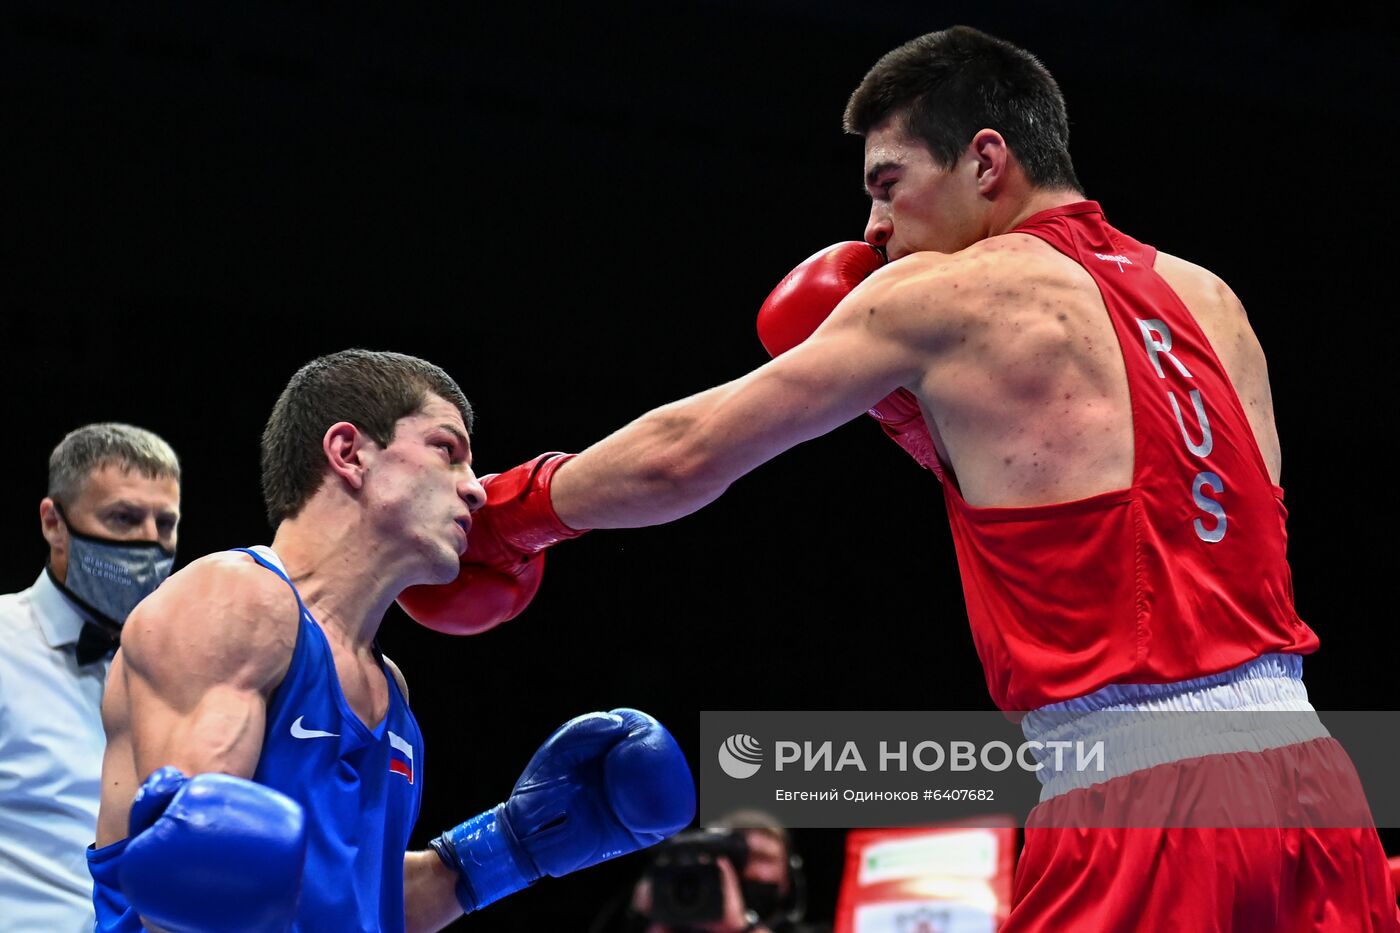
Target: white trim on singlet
x,y
269,555
1145,725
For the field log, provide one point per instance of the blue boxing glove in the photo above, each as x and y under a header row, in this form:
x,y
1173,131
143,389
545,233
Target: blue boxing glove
x,y
601,786
213,854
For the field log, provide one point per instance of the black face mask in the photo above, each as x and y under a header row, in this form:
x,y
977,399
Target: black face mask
x,y
108,578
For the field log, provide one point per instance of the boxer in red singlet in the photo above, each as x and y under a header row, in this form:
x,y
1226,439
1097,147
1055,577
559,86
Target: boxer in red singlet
x,y
1100,417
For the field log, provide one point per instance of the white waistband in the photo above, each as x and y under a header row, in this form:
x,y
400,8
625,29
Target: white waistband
x,y
1144,725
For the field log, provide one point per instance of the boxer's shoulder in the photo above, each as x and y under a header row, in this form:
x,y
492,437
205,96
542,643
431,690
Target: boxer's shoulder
x,y
225,582
998,266
912,283
1204,292
1022,261
1188,272
1014,281
222,617
933,298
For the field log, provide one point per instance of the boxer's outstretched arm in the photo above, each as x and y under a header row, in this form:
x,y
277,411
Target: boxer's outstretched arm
x,y
680,457
200,656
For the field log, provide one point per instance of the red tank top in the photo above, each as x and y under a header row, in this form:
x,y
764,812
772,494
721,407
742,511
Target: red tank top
x,y
1181,575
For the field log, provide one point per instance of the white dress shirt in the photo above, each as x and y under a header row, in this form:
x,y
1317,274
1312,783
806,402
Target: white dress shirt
x,y
51,744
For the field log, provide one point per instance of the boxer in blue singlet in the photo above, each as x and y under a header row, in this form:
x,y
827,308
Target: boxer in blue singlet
x,y
263,769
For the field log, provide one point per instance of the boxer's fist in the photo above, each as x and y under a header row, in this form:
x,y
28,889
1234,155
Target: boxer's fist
x,y
213,854
902,419
494,583
503,564
809,293
518,518
601,786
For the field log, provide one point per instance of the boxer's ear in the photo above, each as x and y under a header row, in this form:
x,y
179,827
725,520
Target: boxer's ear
x,y
344,447
990,158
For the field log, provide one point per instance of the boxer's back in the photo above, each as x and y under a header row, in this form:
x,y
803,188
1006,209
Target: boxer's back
x,y
1112,496
1033,406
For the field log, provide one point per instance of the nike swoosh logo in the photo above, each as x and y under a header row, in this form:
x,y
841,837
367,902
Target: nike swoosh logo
x,y
299,733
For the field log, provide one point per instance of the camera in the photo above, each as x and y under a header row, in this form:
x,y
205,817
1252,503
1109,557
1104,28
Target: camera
x,y
686,884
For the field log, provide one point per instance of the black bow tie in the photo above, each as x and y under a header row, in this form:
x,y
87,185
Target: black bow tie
x,y
97,642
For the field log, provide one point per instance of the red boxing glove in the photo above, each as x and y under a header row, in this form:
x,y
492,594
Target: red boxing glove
x,y
809,293
806,297
902,419
480,599
503,564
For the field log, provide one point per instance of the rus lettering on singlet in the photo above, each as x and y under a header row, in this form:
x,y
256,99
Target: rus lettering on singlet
x,y
1157,338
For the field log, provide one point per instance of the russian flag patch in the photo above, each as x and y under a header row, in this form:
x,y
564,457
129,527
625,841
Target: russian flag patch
x,y
400,757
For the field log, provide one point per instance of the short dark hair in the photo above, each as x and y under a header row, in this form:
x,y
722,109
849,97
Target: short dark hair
x,y
110,443
372,390
951,84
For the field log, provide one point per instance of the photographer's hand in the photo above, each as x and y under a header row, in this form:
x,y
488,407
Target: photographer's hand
x,y
736,916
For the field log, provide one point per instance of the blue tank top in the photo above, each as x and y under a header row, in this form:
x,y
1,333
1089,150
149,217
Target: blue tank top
x,y
361,789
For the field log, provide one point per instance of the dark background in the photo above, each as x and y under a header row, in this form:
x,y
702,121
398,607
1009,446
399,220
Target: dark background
x,y
577,210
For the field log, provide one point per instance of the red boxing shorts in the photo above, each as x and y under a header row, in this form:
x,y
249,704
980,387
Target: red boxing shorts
x,y
1216,830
